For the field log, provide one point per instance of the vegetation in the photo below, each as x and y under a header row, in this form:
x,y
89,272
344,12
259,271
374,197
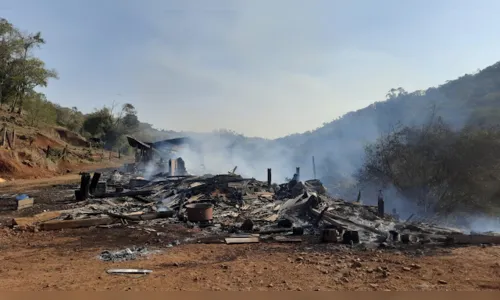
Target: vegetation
x,y
440,170
437,148
21,72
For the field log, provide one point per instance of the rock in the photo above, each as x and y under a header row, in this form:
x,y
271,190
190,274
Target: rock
x,y
344,279
270,285
247,225
300,258
406,269
442,282
415,266
356,264
373,285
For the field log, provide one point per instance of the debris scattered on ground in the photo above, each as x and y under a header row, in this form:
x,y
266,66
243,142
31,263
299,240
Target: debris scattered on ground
x,y
15,202
124,255
129,271
232,209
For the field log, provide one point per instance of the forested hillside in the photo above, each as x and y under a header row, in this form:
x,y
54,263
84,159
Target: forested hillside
x,y
435,149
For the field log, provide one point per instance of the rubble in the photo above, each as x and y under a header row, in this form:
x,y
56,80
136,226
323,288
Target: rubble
x,y
123,255
228,204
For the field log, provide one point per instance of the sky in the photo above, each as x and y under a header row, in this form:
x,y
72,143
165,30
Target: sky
x,y
258,67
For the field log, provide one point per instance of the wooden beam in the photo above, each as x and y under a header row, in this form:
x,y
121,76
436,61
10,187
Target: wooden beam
x,y
28,202
244,240
475,239
66,224
125,194
286,239
39,218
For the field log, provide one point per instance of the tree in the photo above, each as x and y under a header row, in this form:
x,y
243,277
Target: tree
x,y
395,93
70,118
438,169
98,122
39,110
20,71
111,128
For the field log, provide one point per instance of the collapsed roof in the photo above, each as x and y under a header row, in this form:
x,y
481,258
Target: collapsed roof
x,y
169,143
137,144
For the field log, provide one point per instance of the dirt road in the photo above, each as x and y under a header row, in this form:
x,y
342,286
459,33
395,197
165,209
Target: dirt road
x,y
26,184
67,260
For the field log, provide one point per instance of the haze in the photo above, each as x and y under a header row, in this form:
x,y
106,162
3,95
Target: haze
x,y
261,68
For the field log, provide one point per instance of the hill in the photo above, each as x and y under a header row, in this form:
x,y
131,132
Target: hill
x,y
472,100
45,151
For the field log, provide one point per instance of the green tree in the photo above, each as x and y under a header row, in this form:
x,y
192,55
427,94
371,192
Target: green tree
x,y
39,110
20,71
112,128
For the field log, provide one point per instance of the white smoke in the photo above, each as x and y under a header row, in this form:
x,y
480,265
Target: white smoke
x,y
219,153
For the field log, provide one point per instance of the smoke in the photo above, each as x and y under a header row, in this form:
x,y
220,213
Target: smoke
x,y
219,153
483,224
150,169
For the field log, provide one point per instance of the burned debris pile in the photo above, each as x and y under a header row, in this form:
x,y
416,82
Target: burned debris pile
x,y
239,210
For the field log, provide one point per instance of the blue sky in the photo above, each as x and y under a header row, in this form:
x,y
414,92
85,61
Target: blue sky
x,y
262,68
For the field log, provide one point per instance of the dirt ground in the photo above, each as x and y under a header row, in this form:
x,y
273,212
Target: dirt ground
x,y
72,177
68,260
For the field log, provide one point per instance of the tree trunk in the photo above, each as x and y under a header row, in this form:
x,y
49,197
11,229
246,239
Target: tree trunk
x,y
20,110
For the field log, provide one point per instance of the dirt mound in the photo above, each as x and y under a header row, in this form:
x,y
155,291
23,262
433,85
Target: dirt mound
x,y
42,141
8,165
71,137
13,166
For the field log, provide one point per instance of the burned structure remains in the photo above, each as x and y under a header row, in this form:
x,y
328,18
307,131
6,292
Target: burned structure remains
x,y
161,156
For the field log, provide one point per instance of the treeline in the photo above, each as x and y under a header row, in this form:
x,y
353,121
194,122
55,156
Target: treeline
x,y
21,73
438,169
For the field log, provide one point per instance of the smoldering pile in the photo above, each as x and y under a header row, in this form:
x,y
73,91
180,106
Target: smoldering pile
x,y
245,210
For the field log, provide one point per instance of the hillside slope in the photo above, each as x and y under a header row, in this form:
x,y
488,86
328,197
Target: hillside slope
x,y
27,157
471,100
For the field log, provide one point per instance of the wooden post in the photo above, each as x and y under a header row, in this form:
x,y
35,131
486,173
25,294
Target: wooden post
x,y
13,139
314,168
380,204
48,151
64,152
119,154
4,135
269,177
93,183
85,186
110,153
